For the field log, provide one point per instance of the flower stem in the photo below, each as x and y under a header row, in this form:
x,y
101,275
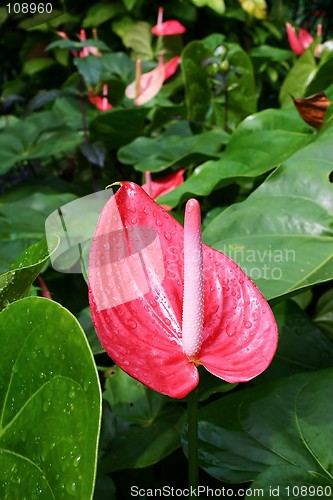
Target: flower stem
x,y
192,422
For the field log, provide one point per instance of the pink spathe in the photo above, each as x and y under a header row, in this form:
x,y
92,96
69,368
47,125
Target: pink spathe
x,y
138,268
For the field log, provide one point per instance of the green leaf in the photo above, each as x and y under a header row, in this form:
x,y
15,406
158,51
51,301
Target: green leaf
x,y
168,150
84,318
260,143
99,13
118,127
282,234
22,219
321,80
216,5
298,78
40,135
266,53
94,152
324,313
302,346
131,400
16,283
129,4
90,68
137,36
197,89
275,424
118,64
49,403
146,429
286,482
37,64
242,100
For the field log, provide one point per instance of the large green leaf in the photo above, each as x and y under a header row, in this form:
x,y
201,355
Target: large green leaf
x,y
49,403
22,219
287,481
15,283
298,78
275,424
197,88
302,346
168,150
324,313
260,143
146,428
282,234
242,99
41,135
118,126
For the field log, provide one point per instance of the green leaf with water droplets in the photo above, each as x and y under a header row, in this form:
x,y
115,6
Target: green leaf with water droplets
x,y
16,282
49,403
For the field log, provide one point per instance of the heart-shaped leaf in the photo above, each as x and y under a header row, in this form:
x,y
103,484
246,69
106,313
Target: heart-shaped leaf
x,y
282,234
275,424
260,143
148,429
15,283
49,403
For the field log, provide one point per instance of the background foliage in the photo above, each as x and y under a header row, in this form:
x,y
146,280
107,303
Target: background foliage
x,y
264,180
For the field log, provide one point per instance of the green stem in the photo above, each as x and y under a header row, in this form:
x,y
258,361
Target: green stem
x,y
192,421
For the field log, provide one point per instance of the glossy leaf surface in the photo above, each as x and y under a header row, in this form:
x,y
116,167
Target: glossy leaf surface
x,y
171,150
276,424
49,403
136,295
15,283
260,143
143,427
282,233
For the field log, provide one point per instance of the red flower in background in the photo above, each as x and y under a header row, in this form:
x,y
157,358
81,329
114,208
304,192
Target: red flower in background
x,y
298,43
167,28
101,103
163,185
163,303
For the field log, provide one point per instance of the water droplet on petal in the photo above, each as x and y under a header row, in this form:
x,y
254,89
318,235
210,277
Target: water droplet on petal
x,y
159,222
248,324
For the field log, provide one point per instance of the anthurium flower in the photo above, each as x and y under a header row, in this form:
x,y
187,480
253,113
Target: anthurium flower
x,y
101,103
298,43
163,303
147,85
167,28
170,67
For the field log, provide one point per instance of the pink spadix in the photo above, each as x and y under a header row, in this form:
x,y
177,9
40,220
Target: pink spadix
x,y
163,303
193,303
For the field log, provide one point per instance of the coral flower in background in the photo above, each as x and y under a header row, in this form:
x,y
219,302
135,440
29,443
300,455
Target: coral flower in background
x,y
101,103
298,43
167,28
147,85
163,303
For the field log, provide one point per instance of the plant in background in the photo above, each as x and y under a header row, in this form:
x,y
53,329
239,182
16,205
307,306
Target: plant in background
x,y
263,177
146,86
